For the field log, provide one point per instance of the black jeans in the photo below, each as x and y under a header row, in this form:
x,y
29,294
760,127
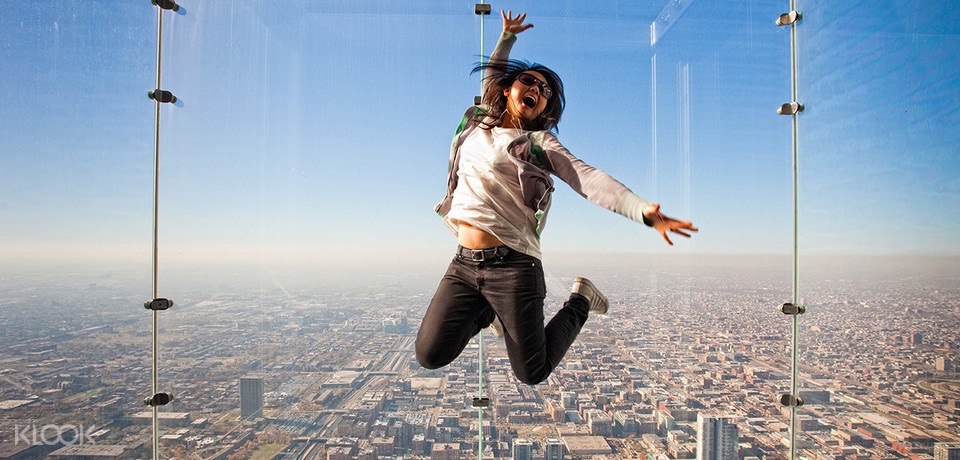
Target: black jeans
x,y
512,287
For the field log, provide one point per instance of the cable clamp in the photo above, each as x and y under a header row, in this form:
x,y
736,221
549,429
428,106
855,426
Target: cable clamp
x,y
159,399
791,309
160,95
790,18
481,402
790,108
481,8
166,4
790,400
158,304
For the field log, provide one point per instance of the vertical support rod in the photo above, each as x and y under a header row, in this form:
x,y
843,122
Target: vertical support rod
x,y
156,215
795,352
480,396
483,74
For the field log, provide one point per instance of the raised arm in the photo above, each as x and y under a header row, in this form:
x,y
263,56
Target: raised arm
x,y
501,53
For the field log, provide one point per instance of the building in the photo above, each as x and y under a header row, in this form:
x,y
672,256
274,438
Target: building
x,y
916,338
717,437
600,424
584,446
101,452
946,451
943,364
445,451
522,449
553,449
251,398
170,419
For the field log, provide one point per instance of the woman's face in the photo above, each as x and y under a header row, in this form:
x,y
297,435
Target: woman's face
x,y
527,98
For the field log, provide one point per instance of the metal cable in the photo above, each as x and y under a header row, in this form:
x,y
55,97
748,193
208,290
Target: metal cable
x,y
794,378
480,335
156,202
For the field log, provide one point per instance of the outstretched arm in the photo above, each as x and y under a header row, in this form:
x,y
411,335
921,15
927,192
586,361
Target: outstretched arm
x,y
664,224
602,189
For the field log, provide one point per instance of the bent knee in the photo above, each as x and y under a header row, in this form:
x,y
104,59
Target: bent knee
x,y
531,378
432,359
430,364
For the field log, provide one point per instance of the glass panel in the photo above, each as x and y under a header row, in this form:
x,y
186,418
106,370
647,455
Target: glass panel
x,y
879,227
297,177
75,136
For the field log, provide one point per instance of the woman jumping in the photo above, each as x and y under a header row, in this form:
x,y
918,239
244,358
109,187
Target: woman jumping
x,y
498,197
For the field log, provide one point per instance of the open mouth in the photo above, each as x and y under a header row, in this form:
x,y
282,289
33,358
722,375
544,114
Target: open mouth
x,y
529,101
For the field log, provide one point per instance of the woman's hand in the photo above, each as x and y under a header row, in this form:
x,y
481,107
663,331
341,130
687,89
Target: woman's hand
x,y
664,224
514,25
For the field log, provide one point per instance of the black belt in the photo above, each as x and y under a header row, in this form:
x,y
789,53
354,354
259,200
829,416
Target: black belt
x,y
483,254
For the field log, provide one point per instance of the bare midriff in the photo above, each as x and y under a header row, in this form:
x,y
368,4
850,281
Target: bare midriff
x,y
473,238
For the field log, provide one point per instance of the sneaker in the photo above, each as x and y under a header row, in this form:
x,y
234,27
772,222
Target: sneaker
x,y
598,301
497,326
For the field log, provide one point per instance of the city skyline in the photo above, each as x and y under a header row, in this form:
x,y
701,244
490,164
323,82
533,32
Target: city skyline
x,y
878,353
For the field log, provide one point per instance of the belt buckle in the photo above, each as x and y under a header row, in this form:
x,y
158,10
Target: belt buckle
x,y
483,255
476,255
480,255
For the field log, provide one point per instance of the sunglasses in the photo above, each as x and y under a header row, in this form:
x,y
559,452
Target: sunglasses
x,y
530,80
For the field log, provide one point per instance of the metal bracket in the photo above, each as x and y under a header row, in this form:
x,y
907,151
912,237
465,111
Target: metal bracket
x,y
158,304
162,96
481,8
791,309
159,399
790,108
790,400
166,4
790,18
481,402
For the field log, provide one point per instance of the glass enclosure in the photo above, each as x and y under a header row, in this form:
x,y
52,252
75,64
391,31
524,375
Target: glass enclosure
x,y
290,188
879,157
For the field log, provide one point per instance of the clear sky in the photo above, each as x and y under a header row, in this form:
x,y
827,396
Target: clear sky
x,y
319,130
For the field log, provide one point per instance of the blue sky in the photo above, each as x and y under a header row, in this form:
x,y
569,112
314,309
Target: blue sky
x,y
319,131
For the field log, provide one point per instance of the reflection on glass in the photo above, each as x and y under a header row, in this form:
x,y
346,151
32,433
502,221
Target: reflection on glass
x,y
879,161
298,241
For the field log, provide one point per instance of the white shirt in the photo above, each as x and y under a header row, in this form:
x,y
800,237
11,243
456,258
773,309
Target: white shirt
x,y
488,194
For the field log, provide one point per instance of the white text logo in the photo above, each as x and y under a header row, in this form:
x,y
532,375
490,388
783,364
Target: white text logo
x,y
52,435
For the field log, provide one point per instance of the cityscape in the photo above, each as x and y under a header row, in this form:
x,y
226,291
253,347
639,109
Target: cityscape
x,y
692,358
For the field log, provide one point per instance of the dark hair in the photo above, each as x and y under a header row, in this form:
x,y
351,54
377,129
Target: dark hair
x,y
501,75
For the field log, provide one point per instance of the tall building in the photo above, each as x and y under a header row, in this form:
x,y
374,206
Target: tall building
x,y
251,397
717,437
600,424
916,338
946,451
553,449
522,449
943,364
